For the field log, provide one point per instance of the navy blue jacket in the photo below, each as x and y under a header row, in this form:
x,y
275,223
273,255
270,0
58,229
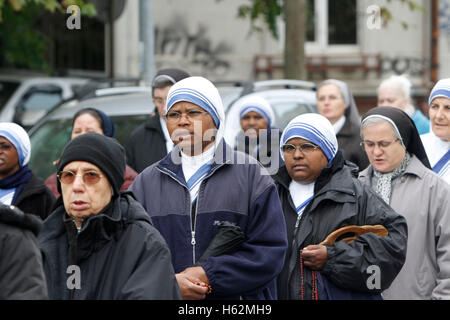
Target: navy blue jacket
x,y
236,190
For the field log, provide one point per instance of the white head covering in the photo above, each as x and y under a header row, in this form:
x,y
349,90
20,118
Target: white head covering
x,y
258,105
19,138
201,92
440,90
315,128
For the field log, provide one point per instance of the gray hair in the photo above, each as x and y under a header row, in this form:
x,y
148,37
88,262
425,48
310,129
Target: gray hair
x,y
401,84
376,119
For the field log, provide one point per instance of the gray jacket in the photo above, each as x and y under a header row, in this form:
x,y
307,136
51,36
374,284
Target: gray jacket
x,y
424,200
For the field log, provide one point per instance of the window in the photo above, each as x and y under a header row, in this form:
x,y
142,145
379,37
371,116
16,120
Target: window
x,y
331,22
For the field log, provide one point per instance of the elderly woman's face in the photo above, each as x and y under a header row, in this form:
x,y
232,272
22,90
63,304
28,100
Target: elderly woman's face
x,y
330,102
304,166
252,122
391,97
190,127
440,117
84,124
86,195
384,150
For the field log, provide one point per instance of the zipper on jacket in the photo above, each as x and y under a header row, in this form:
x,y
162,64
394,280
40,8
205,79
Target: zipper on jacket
x,y
193,223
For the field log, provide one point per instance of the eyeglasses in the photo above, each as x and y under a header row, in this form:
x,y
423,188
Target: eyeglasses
x,y
6,147
305,148
174,116
89,177
381,144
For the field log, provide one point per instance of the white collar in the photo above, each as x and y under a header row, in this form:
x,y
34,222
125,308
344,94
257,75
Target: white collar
x,y
339,124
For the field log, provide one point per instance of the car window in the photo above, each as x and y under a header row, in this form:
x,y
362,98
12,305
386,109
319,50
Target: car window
x,y
49,140
34,106
6,91
286,111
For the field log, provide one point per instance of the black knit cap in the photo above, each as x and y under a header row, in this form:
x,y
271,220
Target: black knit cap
x,y
104,152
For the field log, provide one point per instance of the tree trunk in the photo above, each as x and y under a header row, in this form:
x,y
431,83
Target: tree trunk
x,y
294,53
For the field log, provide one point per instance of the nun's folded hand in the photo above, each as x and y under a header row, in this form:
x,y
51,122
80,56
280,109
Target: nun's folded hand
x,y
315,256
193,283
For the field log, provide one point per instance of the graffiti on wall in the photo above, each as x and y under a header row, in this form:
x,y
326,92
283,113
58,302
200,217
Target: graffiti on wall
x,y
405,65
196,51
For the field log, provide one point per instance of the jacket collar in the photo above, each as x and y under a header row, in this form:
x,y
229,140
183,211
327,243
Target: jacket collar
x,y
96,230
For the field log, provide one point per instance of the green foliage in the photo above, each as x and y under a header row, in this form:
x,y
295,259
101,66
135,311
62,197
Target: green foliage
x,y
21,45
269,10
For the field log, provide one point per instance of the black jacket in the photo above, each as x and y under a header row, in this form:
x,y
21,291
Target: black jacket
x,y
349,143
21,270
120,255
35,198
340,200
146,145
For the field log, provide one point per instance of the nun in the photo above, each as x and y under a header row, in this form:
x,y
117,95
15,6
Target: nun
x,y
400,173
99,243
18,184
259,136
336,103
437,141
319,195
203,183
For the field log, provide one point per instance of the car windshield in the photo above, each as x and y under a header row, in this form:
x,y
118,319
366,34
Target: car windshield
x,y
49,140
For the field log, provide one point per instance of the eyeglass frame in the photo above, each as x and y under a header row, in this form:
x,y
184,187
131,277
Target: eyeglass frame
x,y
299,148
197,113
378,143
58,175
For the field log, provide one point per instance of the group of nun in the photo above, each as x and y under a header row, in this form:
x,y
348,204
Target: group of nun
x,y
276,224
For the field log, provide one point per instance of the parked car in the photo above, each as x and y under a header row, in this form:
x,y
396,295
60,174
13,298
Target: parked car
x,y
51,133
25,99
288,99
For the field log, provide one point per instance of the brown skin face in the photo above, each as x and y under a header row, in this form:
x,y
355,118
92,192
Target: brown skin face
x,y
9,158
304,168
192,136
252,122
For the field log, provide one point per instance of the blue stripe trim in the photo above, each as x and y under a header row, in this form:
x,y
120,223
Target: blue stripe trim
x,y
441,164
257,110
193,96
313,130
305,134
439,92
198,175
16,144
302,207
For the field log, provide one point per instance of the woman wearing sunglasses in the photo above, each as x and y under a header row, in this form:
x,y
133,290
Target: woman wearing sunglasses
x,y
99,243
319,194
